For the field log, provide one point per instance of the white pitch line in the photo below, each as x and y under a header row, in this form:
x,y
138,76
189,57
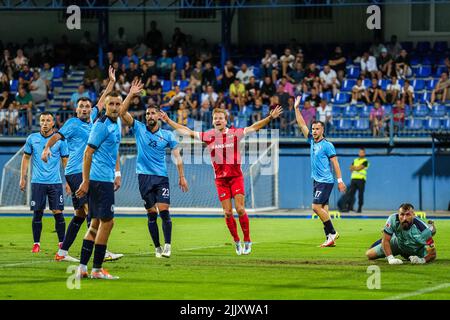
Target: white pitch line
x,y
419,292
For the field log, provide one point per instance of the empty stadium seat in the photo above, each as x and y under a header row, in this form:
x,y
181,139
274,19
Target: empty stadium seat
x,y
166,85
365,110
342,98
423,97
430,84
337,110
433,124
14,85
438,111
58,72
440,46
420,111
387,108
344,124
367,83
414,124
418,84
446,124
350,111
383,83
353,72
348,84
424,71
362,124
423,46
182,83
328,95
439,70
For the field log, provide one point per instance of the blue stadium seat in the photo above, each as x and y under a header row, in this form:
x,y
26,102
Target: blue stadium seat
x,y
423,46
383,83
407,110
342,98
344,124
387,108
438,111
415,62
365,110
433,124
166,85
348,85
217,71
418,84
423,97
407,45
58,72
182,83
427,60
367,83
420,111
430,84
257,72
414,124
353,72
337,110
92,96
446,124
13,85
440,46
350,111
424,71
439,70
362,124
326,95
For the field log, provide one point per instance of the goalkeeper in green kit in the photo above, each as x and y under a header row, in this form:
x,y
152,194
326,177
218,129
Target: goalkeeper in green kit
x,y
406,235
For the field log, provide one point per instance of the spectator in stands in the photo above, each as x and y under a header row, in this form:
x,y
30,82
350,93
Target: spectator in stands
x,y
63,114
205,112
314,99
393,91
269,65
20,60
45,49
30,50
178,38
325,114
268,90
228,75
288,120
145,75
175,100
137,108
183,113
9,117
286,61
25,76
47,75
308,113
403,65
252,91
140,48
296,75
407,94
286,85
447,64
203,52
122,86
80,93
208,76
369,65
191,102
257,110
328,80
283,97
209,97
38,88
337,62
154,89
274,102
399,115
164,65
359,92
376,47
375,92
394,47
132,72
130,56
24,103
385,64
149,56
180,66
4,91
93,76
377,119
154,38
7,64
244,74
120,41
311,79
196,77
238,93
441,90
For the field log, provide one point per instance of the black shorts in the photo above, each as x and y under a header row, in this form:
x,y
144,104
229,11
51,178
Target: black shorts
x,y
74,181
40,192
101,200
322,192
154,189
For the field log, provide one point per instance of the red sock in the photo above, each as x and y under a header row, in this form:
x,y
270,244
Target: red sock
x,y
232,226
245,226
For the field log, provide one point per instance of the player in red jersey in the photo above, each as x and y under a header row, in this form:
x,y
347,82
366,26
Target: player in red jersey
x,y
223,144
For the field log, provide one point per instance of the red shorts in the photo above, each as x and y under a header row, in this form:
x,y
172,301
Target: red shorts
x,y
227,188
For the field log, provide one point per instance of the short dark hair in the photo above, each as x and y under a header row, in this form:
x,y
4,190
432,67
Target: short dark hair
x,y
84,99
406,207
47,113
154,106
362,148
113,94
318,121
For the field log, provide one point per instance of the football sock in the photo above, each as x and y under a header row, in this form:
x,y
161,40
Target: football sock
x,y
153,228
329,227
232,226
375,243
245,226
60,226
99,255
326,233
36,225
167,225
86,251
72,231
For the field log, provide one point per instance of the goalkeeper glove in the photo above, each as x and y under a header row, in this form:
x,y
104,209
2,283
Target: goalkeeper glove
x,y
416,260
392,260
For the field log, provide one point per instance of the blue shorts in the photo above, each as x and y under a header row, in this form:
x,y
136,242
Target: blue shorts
x,y
154,189
322,192
101,200
74,181
40,192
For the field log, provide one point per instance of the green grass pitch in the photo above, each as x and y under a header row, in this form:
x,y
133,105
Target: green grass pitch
x,y
286,263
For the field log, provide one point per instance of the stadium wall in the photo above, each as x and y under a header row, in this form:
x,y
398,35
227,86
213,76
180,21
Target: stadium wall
x,y
402,176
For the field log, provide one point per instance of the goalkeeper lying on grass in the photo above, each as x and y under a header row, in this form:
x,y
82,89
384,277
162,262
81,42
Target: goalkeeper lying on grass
x,y
405,235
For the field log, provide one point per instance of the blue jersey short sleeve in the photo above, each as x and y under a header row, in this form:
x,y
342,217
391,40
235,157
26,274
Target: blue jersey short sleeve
x,y
28,149
97,135
63,149
330,151
68,128
389,227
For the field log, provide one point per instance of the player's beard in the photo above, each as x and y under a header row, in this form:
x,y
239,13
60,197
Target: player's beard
x,y
152,123
406,225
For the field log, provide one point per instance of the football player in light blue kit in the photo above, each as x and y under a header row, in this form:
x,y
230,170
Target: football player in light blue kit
x,y
406,235
323,155
75,132
45,178
99,164
152,142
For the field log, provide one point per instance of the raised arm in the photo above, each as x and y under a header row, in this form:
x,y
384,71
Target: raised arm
x,y
178,127
337,170
23,171
46,153
275,113
108,89
87,162
135,89
300,121
182,182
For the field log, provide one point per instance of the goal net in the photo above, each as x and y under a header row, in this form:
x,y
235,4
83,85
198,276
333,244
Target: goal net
x,y
259,162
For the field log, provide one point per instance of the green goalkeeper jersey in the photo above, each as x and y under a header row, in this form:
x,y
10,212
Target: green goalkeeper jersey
x,y
412,240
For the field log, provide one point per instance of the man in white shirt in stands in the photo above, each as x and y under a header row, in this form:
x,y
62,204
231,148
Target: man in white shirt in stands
x,y
393,90
369,65
244,74
328,79
325,114
407,93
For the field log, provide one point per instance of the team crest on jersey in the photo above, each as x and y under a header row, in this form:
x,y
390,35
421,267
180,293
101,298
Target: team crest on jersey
x,y
153,143
112,208
33,203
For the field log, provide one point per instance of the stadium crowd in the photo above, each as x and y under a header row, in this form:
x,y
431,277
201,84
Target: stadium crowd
x,y
369,88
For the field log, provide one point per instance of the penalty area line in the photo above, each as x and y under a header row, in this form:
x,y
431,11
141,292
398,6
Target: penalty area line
x,y
419,292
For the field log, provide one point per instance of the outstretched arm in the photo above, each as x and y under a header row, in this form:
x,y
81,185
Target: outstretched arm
x,y
178,127
275,113
108,89
300,121
136,88
337,170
